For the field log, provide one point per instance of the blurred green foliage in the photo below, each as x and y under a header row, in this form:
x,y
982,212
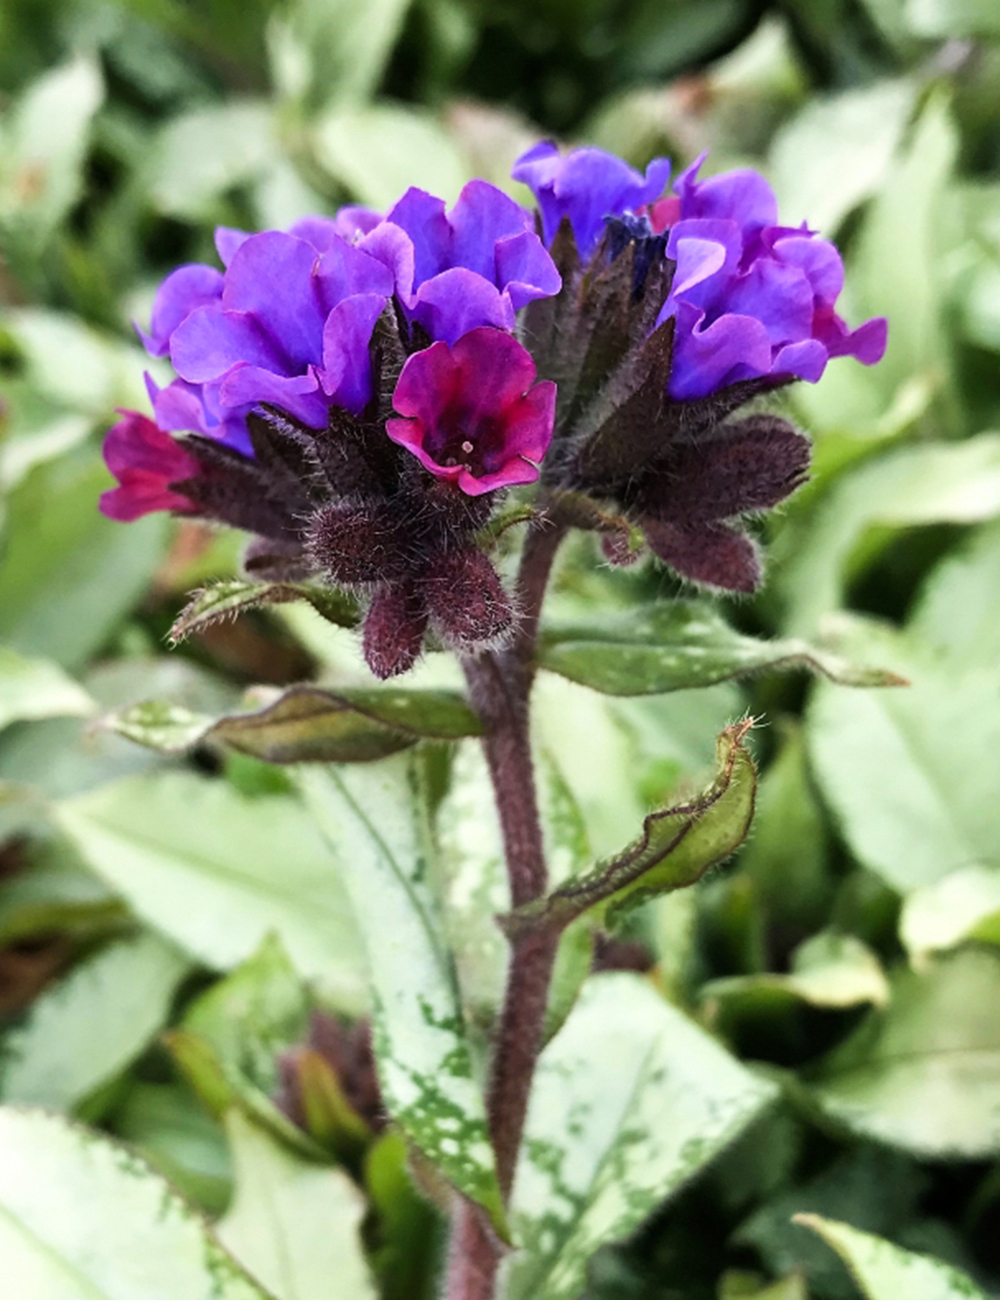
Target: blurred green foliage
x,y
850,953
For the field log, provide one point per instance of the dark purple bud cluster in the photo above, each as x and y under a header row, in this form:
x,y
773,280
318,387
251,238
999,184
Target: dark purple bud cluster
x,y
359,391
328,1086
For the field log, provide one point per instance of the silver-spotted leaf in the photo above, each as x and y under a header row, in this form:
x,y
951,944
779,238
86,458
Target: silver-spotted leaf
x,y
677,645
375,819
630,1101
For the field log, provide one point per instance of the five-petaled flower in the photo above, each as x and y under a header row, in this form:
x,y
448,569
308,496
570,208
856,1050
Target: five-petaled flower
x,y
472,412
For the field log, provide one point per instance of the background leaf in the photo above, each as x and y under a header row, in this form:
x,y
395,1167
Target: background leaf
x,y
85,1219
884,1271
293,1225
217,871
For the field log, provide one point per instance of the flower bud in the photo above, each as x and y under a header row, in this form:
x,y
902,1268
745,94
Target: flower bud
x,y
394,629
467,601
358,545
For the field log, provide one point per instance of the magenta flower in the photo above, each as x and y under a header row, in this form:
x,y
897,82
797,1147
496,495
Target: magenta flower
x,y
475,264
145,461
472,412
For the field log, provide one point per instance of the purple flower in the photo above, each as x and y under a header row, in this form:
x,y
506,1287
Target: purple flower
x,y
752,298
287,323
586,186
473,414
475,264
145,461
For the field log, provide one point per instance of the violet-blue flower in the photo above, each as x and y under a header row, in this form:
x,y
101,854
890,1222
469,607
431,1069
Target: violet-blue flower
x,y
752,298
474,264
586,186
288,322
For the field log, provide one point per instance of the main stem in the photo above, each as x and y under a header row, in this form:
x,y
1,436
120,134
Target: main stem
x,y
500,685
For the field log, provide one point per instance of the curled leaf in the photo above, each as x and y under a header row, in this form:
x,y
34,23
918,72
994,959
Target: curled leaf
x,y
308,724
676,847
233,597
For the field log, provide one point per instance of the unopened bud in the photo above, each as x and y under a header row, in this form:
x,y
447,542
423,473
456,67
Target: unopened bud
x,y
467,601
358,545
394,629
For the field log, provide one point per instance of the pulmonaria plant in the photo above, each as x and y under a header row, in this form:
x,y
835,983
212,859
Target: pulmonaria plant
x,y
360,393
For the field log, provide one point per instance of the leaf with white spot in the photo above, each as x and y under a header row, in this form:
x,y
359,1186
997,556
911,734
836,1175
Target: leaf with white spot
x,y
375,818
630,1101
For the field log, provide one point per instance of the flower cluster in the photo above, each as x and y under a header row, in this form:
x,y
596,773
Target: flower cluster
x,y
359,390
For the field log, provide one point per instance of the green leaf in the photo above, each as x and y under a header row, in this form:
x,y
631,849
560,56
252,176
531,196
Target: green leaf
x,y
747,1286
677,645
374,818
295,1226
43,145
612,1132
232,597
69,575
322,51
957,604
929,484
84,1030
885,1271
953,17
217,871
675,849
923,1073
82,1218
786,858
377,151
896,269
964,905
307,724
34,688
229,1043
172,1130
829,970
202,153
911,790
836,152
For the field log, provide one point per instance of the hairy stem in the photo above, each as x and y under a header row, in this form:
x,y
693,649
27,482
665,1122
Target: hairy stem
x,y
500,685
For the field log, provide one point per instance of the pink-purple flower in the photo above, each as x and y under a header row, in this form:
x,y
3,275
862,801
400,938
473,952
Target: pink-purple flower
x,y
472,413
145,461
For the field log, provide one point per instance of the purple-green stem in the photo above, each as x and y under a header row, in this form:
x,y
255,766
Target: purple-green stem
x,y
500,686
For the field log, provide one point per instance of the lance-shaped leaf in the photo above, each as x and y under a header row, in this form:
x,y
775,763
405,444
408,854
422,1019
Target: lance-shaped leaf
x,y
307,724
375,819
82,1218
677,645
885,1271
229,599
676,847
630,1101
